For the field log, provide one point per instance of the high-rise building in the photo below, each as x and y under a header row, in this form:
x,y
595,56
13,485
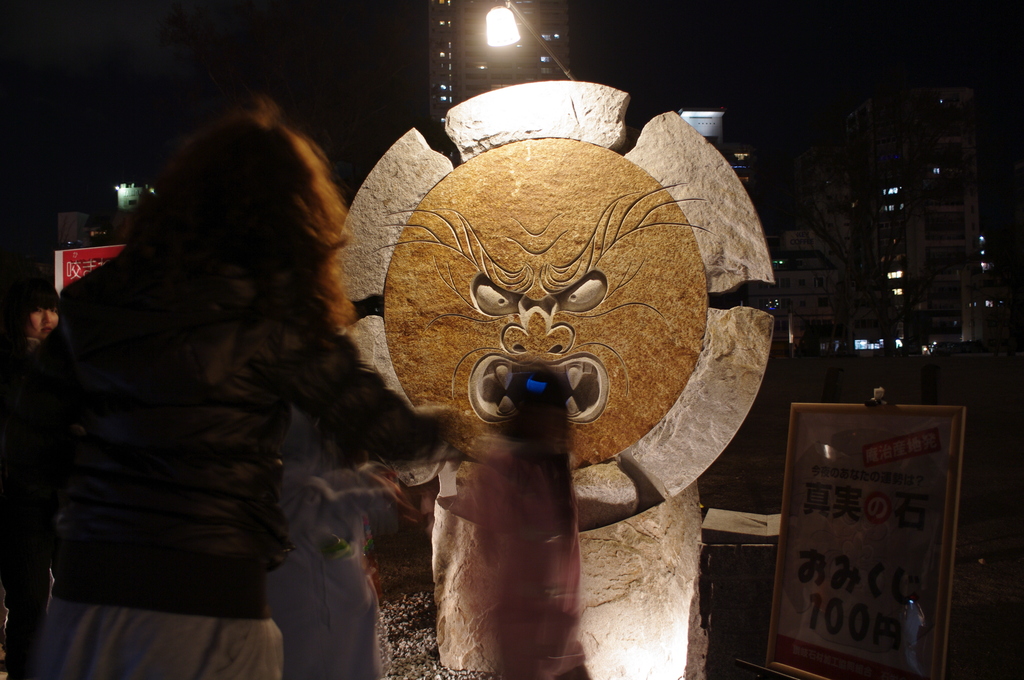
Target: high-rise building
x,y
986,305
939,238
463,65
896,206
710,123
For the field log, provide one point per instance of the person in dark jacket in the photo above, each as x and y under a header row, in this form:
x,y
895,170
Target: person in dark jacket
x,y
27,535
224,309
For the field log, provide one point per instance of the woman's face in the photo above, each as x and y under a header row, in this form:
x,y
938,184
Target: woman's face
x,y
40,323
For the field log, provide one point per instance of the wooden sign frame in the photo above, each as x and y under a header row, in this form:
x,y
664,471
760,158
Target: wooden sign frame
x,y
863,576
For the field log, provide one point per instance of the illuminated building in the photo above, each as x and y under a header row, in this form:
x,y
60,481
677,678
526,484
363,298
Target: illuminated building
x,y
710,123
463,65
129,195
801,298
898,201
986,302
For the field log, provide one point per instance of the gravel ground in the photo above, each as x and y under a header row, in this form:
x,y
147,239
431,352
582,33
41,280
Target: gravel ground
x,y
409,643
407,610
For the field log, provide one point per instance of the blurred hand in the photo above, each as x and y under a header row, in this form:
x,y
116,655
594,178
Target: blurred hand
x,y
408,513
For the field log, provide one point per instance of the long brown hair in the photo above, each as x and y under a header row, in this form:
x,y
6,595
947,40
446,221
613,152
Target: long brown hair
x,y
252,192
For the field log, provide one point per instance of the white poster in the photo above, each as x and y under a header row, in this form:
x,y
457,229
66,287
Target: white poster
x,y
866,552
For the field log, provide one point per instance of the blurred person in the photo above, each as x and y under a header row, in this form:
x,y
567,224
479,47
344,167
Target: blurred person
x,y
524,498
322,597
181,360
27,508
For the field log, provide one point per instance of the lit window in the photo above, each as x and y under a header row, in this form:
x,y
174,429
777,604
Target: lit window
x,y
741,156
444,87
557,36
441,55
545,59
897,291
895,275
936,171
546,36
444,99
891,190
989,303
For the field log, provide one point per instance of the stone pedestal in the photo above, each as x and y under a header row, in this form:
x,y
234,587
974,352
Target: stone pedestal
x,y
488,236
641,618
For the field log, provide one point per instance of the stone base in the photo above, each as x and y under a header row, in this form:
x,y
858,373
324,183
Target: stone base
x,y
642,616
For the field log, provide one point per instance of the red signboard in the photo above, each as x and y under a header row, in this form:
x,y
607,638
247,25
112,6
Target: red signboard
x,y
71,265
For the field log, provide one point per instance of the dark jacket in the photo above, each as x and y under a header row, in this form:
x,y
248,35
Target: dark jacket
x,y
15,486
184,401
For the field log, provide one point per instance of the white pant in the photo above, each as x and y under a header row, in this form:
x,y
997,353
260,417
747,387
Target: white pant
x,y
97,642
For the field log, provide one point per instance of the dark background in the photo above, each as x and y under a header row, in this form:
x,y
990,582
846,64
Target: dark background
x,y
89,98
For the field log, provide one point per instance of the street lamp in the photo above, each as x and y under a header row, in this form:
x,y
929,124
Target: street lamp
x,y
501,31
501,27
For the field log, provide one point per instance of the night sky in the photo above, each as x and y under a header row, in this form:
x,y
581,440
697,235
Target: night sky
x,y
89,98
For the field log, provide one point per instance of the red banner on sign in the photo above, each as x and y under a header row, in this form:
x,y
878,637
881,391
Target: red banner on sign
x,y
71,265
832,664
899,448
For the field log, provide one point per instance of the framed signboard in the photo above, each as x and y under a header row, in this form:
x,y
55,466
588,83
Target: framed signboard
x,y
71,265
865,561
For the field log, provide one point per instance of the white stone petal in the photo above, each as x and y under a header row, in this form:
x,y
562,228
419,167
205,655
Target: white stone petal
x,y
565,109
367,335
604,495
730,238
397,184
714,403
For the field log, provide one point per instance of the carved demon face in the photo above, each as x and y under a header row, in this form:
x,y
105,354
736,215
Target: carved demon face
x,y
553,252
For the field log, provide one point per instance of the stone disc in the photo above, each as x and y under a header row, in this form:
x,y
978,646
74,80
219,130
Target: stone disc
x,y
551,252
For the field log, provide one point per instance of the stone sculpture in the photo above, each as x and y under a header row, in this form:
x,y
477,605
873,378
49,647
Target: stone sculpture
x,y
549,245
